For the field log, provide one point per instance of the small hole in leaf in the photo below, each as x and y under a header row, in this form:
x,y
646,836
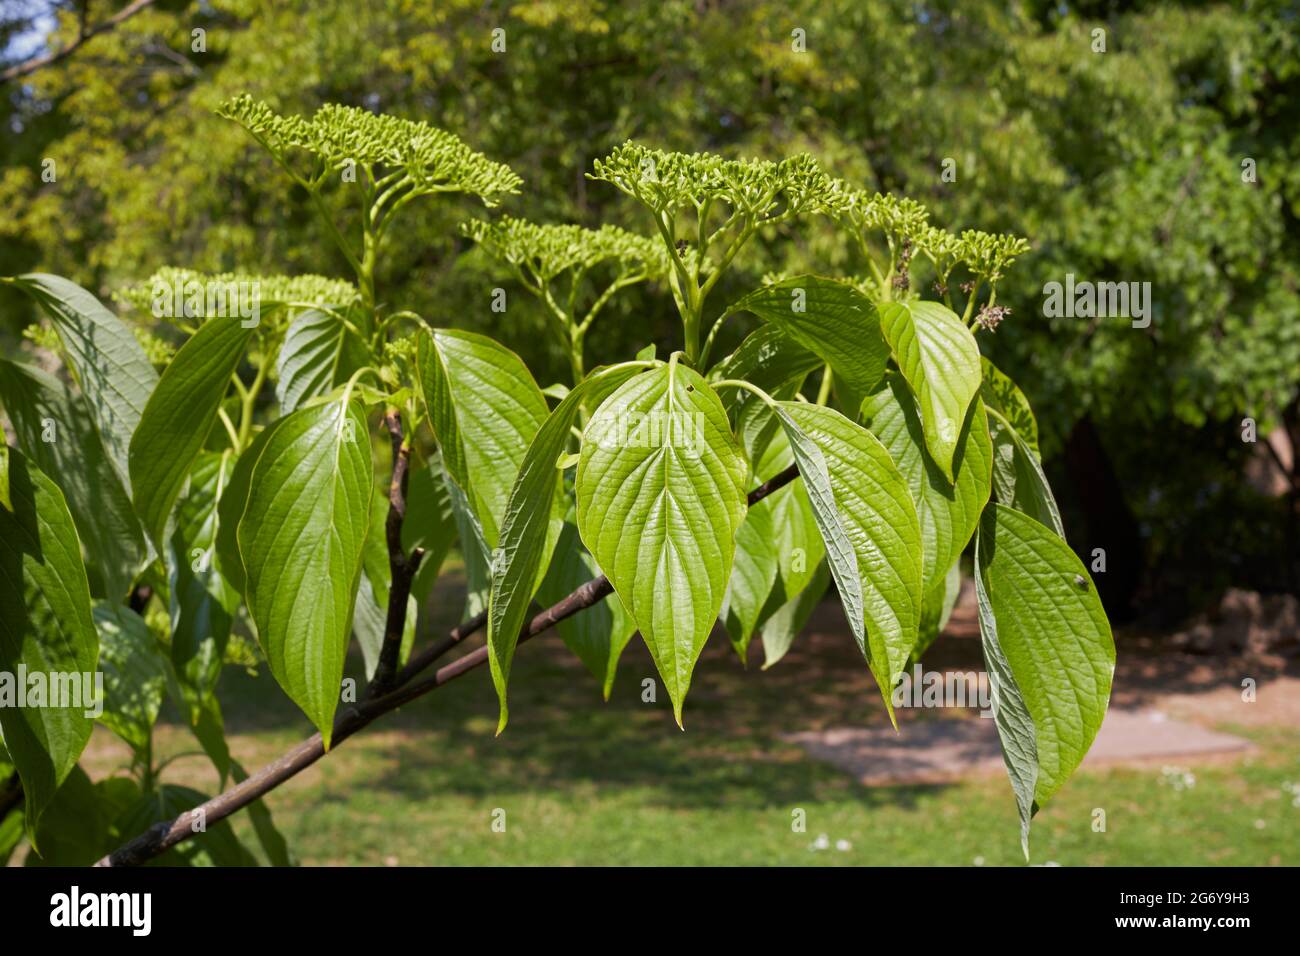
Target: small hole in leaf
x,y
690,388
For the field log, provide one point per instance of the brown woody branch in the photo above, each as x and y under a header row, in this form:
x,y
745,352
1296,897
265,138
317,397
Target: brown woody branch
x,y
401,568
166,834
84,35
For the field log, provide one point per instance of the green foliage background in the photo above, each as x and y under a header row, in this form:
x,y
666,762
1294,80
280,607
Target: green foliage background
x,y
1121,166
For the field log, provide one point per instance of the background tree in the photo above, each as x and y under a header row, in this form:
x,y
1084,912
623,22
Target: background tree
x,y
1122,165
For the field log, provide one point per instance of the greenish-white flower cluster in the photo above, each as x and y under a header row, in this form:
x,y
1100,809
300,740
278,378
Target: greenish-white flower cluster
x,y
760,189
546,251
904,225
433,159
173,293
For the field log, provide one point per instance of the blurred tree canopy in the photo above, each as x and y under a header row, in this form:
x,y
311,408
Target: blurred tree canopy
x,y
1169,158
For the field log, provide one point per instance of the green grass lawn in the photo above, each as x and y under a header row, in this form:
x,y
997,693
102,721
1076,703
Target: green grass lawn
x,y
585,782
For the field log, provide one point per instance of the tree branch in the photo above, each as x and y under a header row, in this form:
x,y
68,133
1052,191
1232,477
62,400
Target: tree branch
x,y
84,34
166,834
401,568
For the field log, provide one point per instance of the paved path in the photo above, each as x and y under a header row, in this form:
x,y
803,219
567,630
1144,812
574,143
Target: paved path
x,y
935,750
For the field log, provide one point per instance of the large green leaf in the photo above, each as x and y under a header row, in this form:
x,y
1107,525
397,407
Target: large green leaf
x,y
532,522
798,542
114,373
217,845
201,601
230,563
753,575
77,828
1049,650
869,524
45,629
949,510
777,364
661,494
203,715
832,320
600,633
473,548
134,679
1003,395
938,356
768,357
780,629
54,430
937,604
301,537
370,614
485,409
778,547
430,523
179,414
319,353
1018,475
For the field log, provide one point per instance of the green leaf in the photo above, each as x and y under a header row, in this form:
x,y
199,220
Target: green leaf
x,y
45,629
473,548
949,511
11,834
600,633
179,415
230,563
798,542
370,615
936,608
54,430
778,547
485,408
114,373
773,361
217,845
430,523
767,357
1049,650
832,320
871,530
753,576
1018,475
779,630
661,494
201,601
77,829
319,353
203,716
532,522
134,679
1003,395
301,538
938,356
